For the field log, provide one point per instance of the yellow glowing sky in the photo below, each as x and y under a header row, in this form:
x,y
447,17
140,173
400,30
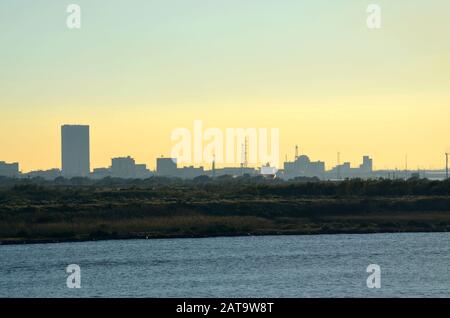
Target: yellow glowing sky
x,y
139,69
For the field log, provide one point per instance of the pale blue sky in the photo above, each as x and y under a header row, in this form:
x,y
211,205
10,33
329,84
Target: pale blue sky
x,y
215,48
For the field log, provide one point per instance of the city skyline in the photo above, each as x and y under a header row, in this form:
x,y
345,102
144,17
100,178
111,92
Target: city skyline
x,y
82,144
75,162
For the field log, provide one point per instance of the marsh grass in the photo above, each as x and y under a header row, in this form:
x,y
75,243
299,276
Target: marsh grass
x,y
63,212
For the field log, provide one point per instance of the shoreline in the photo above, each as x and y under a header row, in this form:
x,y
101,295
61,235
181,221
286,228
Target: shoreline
x,y
14,241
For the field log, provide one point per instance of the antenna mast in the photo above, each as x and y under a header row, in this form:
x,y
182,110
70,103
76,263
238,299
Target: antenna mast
x,y
246,153
338,168
446,165
214,165
406,167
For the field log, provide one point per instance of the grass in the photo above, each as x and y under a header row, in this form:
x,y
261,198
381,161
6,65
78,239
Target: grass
x,y
30,213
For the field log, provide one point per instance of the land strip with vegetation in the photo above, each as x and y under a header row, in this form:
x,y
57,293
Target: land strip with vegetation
x,y
36,210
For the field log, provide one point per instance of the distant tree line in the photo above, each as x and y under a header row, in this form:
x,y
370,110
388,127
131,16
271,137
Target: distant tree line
x,y
228,185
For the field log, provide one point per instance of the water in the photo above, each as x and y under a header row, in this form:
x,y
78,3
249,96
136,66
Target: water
x,y
412,265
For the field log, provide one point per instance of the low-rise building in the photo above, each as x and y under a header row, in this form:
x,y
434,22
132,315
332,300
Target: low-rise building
x,y
9,169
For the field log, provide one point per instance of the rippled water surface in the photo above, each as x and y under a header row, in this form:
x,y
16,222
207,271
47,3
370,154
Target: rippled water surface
x,y
266,266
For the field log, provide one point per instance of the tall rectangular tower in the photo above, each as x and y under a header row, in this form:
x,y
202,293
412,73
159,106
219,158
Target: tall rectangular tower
x,y
75,160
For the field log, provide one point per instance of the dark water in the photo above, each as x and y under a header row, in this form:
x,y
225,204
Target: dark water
x,y
271,266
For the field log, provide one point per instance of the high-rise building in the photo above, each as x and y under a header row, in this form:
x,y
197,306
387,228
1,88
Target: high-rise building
x,y
75,151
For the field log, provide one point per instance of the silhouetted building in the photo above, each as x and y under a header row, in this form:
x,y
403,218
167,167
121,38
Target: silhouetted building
x,y
9,169
100,173
141,171
367,165
190,172
51,174
75,151
235,171
344,171
166,167
302,166
123,167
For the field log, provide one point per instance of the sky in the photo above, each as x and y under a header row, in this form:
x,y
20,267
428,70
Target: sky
x,y
138,69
